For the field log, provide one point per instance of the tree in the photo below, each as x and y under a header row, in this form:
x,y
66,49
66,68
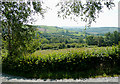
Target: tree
x,y
118,36
80,40
88,10
16,33
115,37
100,41
108,40
90,40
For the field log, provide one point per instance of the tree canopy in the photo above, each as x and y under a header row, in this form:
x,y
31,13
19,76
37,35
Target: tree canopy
x,y
87,10
16,32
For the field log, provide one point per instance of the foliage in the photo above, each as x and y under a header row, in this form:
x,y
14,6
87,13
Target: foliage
x,y
55,40
16,34
71,36
20,41
108,40
88,10
95,61
57,46
93,30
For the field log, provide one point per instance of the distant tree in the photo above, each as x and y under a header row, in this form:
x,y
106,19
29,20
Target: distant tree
x,y
108,41
100,41
107,36
90,40
66,41
118,36
80,40
61,45
115,37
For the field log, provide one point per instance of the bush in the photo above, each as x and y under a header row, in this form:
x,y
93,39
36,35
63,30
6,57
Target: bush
x,y
99,60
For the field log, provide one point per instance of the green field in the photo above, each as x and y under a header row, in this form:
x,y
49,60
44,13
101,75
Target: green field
x,y
49,29
55,29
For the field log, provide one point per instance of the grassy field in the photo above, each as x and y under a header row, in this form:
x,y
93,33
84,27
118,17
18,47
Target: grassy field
x,y
45,52
53,29
64,51
50,29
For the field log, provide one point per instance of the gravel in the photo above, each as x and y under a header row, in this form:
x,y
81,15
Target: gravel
x,y
9,78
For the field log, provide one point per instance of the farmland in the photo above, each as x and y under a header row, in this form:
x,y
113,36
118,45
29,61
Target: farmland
x,y
57,53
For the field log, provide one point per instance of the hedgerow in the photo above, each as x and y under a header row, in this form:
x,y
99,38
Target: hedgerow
x,y
96,61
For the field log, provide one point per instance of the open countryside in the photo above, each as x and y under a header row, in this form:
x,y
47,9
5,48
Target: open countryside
x,y
39,51
65,53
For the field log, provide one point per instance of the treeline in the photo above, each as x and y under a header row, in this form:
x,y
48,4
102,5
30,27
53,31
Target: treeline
x,y
108,39
60,37
57,46
66,40
93,30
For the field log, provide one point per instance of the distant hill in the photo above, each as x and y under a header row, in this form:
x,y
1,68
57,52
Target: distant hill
x,y
92,30
57,30
76,30
49,29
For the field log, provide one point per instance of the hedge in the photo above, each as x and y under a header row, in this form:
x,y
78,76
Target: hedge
x,y
95,61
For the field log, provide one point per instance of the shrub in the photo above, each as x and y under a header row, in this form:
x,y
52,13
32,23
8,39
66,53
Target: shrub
x,y
101,60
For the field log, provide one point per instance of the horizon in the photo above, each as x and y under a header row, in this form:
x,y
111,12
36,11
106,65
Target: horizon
x,y
72,26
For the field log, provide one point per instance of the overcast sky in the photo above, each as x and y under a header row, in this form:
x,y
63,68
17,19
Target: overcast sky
x,y
108,18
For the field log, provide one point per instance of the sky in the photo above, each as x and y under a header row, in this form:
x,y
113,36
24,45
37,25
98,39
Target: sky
x,y
108,18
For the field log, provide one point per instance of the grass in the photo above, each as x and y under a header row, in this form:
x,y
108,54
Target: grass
x,y
63,51
45,52
51,29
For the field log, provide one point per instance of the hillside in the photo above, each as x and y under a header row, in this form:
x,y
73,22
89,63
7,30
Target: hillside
x,y
58,30
78,31
49,29
92,30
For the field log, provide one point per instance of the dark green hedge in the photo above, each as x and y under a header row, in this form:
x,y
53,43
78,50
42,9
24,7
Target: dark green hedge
x,y
94,61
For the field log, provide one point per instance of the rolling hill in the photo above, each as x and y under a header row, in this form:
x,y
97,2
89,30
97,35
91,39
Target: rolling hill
x,y
49,29
92,30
